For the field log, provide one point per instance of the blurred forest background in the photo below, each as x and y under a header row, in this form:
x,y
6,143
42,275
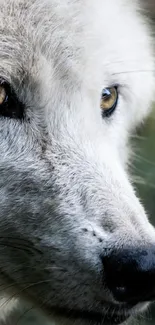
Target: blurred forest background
x,y
144,169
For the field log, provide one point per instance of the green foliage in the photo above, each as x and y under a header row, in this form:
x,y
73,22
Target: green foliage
x,y
144,168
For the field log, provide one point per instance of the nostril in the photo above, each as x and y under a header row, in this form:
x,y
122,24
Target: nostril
x,y
130,275
121,294
121,291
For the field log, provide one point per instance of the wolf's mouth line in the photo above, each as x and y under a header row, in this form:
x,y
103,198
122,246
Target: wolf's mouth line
x,y
112,316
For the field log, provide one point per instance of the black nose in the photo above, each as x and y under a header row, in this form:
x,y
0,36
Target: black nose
x,y
130,275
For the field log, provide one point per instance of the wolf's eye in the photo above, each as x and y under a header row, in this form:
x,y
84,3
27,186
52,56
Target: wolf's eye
x,y
10,106
2,95
109,100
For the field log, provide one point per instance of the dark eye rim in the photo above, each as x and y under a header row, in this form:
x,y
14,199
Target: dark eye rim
x,y
110,111
12,107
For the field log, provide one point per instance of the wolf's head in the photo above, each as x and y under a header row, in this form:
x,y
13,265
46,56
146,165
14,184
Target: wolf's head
x,y
76,78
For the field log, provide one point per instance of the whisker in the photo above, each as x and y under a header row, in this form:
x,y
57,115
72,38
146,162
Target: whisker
x,y
132,71
19,243
141,158
22,248
15,238
125,61
141,181
25,313
37,305
13,284
138,137
22,290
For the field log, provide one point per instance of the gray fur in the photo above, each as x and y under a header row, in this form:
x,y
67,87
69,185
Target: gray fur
x,y
65,192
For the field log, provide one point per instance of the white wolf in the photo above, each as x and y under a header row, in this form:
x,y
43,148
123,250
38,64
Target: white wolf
x,y
76,78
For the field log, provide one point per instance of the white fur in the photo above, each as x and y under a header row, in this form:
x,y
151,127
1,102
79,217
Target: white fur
x,y
70,51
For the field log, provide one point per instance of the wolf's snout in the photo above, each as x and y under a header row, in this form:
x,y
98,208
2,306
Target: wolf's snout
x,y
130,275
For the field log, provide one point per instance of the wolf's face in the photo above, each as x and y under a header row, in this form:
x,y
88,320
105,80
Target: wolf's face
x,y
76,78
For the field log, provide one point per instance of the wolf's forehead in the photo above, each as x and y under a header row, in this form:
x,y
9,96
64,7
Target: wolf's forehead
x,y
84,40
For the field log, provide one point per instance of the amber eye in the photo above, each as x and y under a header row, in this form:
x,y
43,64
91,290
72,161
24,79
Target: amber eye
x,y
3,94
109,99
